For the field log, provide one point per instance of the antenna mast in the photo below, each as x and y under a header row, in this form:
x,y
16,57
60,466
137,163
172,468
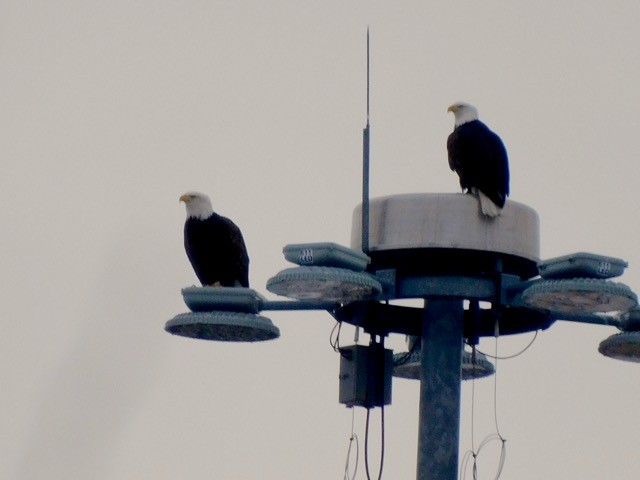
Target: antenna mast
x,y
365,168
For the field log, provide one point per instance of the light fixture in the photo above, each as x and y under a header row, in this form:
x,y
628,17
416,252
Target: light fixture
x,y
622,346
223,314
626,345
580,296
474,366
223,326
327,272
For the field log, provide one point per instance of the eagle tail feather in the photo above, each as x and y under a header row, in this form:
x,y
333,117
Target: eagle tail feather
x,y
487,206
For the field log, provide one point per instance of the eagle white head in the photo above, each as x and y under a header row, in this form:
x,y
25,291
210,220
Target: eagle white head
x,y
463,112
198,205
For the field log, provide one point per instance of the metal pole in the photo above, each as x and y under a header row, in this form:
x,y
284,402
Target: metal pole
x,y
365,168
365,190
439,430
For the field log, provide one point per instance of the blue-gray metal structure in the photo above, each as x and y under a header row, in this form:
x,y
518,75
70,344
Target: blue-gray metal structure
x,y
366,142
438,430
444,279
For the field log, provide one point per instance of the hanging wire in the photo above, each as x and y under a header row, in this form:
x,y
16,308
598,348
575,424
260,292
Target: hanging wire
x,y
465,462
334,339
366,444
509,357
353,439
381,442
472,455
498,436
473,398
495,381
405,357
334,336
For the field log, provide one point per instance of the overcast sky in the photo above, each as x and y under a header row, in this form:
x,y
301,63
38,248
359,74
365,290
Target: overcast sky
x,y
109,111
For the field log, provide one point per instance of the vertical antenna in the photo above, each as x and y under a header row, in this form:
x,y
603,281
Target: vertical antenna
x,y
368,76
365,169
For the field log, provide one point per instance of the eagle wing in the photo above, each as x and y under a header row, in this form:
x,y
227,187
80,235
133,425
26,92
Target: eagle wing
x,y
238,253
480,159
217,251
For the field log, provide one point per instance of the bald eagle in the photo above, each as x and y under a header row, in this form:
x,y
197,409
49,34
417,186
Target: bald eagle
x,y
479,158
214,244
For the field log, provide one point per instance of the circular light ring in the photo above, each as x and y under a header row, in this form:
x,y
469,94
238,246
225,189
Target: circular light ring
x,y
408,365
233,299
411,367
622,346
580,295
223,326
324,283
479,368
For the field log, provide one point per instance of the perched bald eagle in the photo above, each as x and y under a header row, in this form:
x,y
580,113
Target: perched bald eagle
x,y
214,245
479,158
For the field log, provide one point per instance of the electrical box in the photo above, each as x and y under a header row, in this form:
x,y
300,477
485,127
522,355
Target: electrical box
x,y
365,375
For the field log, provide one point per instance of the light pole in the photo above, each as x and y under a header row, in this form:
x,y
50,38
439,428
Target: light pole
x,y
434,247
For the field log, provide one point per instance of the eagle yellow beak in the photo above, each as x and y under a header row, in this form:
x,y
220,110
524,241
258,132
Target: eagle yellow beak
x,y
185,198
452,108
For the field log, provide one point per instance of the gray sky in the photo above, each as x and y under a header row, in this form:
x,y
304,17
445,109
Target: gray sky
x,y
110,110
